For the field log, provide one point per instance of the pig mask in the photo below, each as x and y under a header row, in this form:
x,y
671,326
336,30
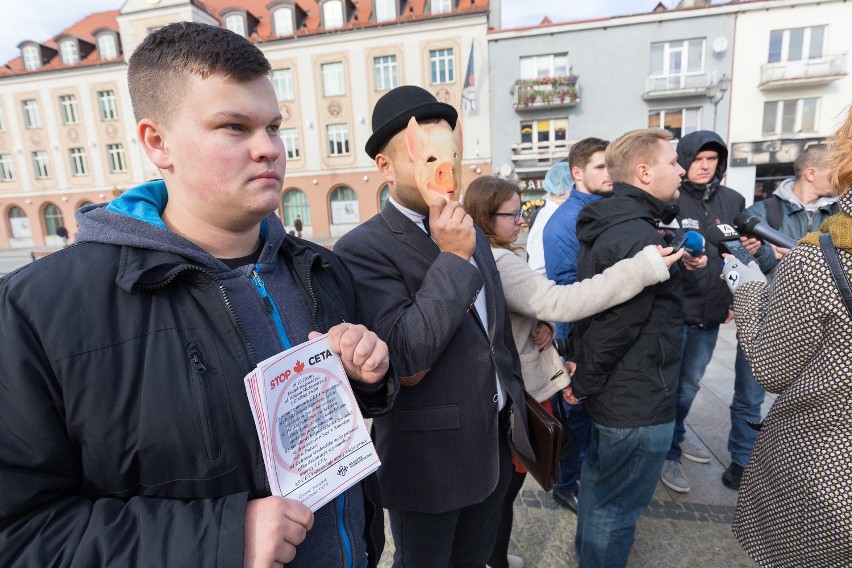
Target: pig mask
x,y
437,153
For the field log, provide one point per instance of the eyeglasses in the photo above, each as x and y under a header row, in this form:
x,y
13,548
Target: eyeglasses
x,y
515,215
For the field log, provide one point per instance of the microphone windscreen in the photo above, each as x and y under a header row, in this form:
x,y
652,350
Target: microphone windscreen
x,y
694,242
716,234
745,223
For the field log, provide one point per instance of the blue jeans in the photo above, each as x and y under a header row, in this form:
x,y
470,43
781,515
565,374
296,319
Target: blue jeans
x,y
698,345
620,475
748,396
577,420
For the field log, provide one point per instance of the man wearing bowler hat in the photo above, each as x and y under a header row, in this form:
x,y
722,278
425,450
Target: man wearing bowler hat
x,y
431,290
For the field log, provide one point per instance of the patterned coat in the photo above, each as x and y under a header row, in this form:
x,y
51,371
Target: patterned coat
x,y
795,503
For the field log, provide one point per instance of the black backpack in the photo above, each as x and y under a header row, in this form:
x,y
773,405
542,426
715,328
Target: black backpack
x,y
773,211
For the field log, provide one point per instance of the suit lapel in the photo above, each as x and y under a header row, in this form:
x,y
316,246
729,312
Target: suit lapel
x,y
481,255
408,232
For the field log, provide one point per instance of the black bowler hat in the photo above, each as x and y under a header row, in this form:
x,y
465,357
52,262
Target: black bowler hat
x,y
396,107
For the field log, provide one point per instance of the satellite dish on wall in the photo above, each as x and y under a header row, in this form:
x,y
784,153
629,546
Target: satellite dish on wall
x,y
720,44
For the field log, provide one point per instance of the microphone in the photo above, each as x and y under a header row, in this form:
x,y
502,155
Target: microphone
x,y
755,226
727,239
668,217
694,243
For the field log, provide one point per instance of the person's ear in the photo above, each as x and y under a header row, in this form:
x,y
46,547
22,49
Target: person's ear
x,y
643,173
383,162
810,174
577,174
152,136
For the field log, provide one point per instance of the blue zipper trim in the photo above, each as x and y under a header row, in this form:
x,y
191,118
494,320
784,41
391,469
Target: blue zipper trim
x,y
347,545
276,315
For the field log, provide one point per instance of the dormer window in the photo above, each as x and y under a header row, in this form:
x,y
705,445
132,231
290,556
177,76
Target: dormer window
x,y
442,6
69,52
332,14
32,57
107,48
282,21
385,10
236,23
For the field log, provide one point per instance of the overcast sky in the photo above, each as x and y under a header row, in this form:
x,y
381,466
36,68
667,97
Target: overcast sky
x,y
42,19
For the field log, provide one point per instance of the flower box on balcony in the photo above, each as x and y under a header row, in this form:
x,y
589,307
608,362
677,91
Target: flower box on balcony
x,y
545,92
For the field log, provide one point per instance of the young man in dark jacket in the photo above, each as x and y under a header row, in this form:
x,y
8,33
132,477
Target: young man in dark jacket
x,y
704,202
627,356
128,439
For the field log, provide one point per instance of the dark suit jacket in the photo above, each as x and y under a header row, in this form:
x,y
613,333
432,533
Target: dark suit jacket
x,y
438,445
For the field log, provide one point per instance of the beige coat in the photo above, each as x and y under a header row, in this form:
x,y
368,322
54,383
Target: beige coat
x,y
795,502
531,298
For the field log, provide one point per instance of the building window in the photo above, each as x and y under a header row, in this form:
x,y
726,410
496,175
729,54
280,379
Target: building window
x,y
441,63
236,23
338,139
115,157
384,193
19,225
32,57
789,117
678,121
2,121
31,115
552,65
796,44
41,165
107,105
385,10
107,47
442,6
282,82
296,203
282,21
385,72
52,218
544,133
344,206
79,164
68,109
676,60
7,171
333,80
290,137
69,52
332,14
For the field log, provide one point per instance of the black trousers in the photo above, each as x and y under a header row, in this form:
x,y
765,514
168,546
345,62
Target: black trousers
x,y
461,538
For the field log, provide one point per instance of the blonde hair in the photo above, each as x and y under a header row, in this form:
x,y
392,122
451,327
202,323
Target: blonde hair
x,y
840,157
631,149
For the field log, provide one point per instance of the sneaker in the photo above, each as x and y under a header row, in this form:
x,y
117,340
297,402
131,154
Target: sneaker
x,y
733,476
693,453
673,477
567,500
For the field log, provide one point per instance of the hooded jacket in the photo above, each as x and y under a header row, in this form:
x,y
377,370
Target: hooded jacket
x,y
127,435
706,297
628,357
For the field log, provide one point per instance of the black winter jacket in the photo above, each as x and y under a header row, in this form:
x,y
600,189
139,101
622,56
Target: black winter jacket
x,y
115,449
628,357
706,297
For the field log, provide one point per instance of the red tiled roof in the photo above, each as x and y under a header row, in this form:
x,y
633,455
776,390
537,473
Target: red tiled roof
x,y
361,10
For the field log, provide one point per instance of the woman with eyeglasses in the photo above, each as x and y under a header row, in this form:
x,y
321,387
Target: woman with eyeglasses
x,y
534,301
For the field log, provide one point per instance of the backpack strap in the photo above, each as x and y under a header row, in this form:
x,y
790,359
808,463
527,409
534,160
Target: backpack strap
x,y
773,211
840,278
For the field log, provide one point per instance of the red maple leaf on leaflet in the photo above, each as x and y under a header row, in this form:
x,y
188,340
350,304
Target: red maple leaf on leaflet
x,y
299,367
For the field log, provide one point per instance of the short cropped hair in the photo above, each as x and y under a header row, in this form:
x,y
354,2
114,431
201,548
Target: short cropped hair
x,y
156,73
813,156
581,152
631,149
483,198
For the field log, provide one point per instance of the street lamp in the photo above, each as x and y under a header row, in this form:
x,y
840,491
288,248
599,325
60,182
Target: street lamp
x,y
716,92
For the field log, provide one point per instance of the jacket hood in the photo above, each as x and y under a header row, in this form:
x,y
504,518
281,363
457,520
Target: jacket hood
x,y
695,142
627,203
134,220
785,193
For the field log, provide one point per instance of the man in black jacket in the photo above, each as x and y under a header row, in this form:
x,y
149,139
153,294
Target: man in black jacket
x,y
628,356
704,202
127,436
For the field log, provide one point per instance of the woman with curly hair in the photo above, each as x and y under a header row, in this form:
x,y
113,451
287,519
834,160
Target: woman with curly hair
x,y
534,301
795,502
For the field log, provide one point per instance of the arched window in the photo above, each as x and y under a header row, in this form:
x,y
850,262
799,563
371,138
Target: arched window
x,y
19,225
84,204
296,203
107,47
384,193
69,52
236,23
344,206
52,219
282,21
332,14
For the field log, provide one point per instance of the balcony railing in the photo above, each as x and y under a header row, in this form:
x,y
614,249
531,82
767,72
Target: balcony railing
x,y
545,92
812,71
660,87
531,155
